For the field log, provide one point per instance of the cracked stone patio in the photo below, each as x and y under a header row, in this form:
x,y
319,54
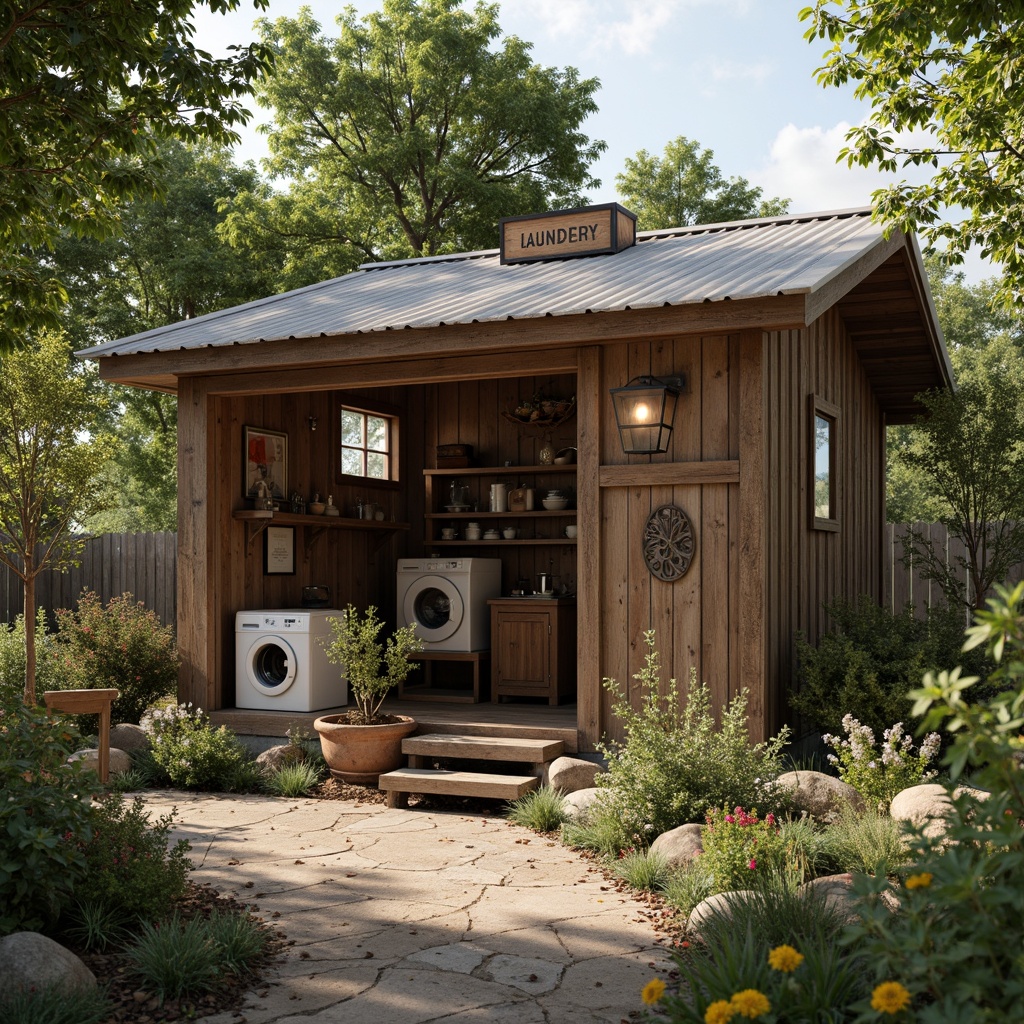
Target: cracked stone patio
x,y
410,917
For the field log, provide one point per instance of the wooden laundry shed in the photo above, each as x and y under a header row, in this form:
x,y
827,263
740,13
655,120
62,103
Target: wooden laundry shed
x,y
781,327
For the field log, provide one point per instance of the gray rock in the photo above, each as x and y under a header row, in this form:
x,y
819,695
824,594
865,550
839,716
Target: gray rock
x,y
837,893
718,906
580,801
126,736
570,774
818,794
277,757
679,845
28,959
927,805
120,762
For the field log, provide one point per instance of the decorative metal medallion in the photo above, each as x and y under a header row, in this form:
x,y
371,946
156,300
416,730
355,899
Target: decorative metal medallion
x,y
669,543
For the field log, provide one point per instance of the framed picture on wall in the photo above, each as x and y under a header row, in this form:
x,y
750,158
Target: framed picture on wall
x,y
266,463
279,551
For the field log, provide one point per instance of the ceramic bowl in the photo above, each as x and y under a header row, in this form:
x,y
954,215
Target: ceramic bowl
x,y
316,508
555,504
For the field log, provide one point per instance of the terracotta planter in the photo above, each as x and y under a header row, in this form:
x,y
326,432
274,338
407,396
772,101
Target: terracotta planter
x,y
360,754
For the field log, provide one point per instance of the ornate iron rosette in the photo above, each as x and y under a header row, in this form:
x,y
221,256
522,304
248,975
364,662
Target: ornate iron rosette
x,y
669,543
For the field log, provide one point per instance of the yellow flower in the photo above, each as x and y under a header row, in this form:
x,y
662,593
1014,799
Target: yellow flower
x,y
750,1003
890,997
785,959
921,881
721,1011
653,991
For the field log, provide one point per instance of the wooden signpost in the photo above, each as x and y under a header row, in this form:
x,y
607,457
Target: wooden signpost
x,y
590,231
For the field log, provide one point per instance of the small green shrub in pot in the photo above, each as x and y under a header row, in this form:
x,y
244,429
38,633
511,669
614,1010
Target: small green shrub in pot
x,y
372,667
45,803
191,752
674,765
122,647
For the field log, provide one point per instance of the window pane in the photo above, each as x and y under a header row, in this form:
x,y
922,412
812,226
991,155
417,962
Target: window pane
x,y
822,465
377,433
351,427
377,465
352,461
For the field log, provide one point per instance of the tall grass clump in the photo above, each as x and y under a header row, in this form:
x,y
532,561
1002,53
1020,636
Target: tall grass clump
x,y
542,810
54,1006
642,870
293,780
867,841
674,765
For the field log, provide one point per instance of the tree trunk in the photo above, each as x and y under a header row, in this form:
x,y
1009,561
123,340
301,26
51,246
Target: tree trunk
x,y
30,636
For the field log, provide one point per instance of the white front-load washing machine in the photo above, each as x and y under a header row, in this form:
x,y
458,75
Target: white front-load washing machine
x,y
280,662
446,598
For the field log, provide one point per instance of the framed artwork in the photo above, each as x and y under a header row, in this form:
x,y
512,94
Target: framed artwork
x,y
279,551
266,463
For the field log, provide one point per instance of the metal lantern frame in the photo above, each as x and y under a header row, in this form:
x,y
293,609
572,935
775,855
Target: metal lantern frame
x,y
644,411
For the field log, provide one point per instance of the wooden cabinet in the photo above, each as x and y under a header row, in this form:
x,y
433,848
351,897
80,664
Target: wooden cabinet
x,y
533,648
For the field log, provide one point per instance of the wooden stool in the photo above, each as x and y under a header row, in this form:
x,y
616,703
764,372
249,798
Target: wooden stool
x,y
88,702
478,661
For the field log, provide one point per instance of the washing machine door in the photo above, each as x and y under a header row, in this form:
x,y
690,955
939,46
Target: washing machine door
x,y
271,664
435,605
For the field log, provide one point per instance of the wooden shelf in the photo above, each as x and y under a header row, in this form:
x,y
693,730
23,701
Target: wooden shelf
x,y
538,513
515,542
257,520
502,470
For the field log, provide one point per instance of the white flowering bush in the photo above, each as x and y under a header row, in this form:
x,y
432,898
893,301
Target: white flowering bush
x,y
879,774
191,752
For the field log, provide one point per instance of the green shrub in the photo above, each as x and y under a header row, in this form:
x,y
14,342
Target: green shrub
x,y
878,775
192,753
867,842
45,802
123,647
642,870
685,887
739,846
54,1006
950,949
12,658
542,810
133,871
240,942
293,779
866,665
674,765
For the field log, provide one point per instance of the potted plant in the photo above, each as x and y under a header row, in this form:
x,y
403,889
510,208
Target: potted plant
x,y
360,745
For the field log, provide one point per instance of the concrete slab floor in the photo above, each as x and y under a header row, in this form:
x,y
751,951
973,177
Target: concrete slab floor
x,y
416,917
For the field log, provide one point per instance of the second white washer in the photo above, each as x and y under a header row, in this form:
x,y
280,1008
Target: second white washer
x,y
446,599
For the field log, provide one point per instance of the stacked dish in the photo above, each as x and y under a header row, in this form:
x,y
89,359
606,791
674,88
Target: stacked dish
x,y
555,501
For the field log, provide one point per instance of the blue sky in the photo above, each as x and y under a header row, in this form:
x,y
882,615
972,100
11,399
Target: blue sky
x,y
737,76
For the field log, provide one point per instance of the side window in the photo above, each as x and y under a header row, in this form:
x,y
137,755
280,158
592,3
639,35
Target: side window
x,y
824,463
367,444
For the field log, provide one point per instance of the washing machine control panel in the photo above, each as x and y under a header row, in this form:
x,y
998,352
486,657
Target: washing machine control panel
x,y
450,565
282,622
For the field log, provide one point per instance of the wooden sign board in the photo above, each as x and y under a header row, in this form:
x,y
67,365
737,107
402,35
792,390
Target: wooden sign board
x,y
590,231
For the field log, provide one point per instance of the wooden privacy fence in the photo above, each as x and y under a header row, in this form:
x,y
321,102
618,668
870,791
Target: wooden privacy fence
x,y
904,584
145,564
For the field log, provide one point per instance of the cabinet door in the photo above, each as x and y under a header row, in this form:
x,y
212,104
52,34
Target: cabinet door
x,y
522,652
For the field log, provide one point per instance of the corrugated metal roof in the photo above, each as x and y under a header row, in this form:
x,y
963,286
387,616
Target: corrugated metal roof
x,y
707,263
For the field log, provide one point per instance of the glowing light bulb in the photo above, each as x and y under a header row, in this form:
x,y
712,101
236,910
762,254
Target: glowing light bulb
x,y
642,412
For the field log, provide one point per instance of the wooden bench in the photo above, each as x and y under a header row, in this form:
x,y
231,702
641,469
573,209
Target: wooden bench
x,y
88,702
479,662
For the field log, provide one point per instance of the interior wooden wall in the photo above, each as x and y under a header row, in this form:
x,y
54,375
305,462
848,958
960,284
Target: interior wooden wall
x,y
809,568
696,618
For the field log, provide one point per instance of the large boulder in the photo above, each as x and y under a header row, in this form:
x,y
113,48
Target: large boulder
x,y
928,806
274,758
679,845
570,774
718,906
126,736
837,893
30,960
819,795
581,801
120,762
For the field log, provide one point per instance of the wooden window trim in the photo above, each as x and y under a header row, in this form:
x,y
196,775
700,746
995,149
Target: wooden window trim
x,y
359,404
817,406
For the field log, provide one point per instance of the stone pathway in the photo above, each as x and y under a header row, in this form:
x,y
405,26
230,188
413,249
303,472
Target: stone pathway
x,y
409,917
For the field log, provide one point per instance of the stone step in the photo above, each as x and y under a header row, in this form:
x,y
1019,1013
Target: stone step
x,y
399,784
481,748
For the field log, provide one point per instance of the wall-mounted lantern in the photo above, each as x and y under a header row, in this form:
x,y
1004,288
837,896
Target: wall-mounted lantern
x,y
644,410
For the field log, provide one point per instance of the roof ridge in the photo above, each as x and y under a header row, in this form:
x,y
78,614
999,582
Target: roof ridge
x,y
738,225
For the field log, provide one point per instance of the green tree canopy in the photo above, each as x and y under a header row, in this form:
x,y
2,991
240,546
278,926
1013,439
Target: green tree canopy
x,y
50,456
414,132
86,89
684,186
943,78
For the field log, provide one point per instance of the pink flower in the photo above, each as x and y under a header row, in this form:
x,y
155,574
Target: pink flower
x,y
753,864
729,818
769,819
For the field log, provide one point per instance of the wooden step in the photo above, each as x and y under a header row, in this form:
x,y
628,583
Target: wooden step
x,y
399,784
481,748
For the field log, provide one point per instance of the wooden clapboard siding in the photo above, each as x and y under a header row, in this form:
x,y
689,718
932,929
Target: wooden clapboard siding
x,y
808,568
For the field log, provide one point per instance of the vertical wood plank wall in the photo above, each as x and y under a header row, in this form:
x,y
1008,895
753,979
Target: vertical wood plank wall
x,y
809,568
